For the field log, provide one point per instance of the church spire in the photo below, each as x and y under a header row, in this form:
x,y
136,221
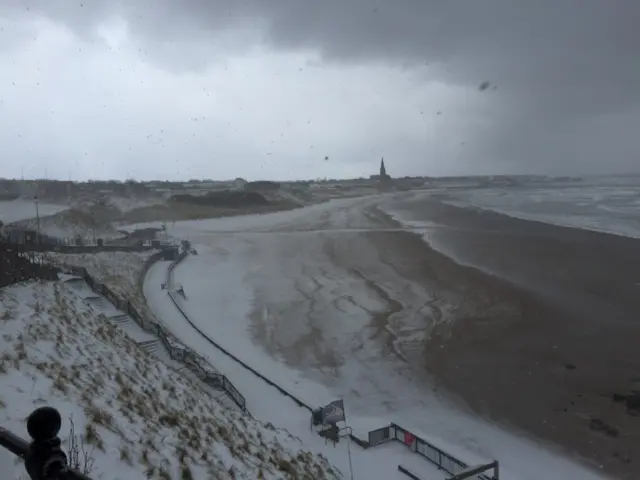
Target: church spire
x,y
383,170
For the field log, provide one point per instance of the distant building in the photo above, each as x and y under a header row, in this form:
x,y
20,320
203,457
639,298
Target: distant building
x,y
262,186
382,177
299,186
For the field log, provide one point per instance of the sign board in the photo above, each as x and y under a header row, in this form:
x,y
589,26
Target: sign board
x,y
333,412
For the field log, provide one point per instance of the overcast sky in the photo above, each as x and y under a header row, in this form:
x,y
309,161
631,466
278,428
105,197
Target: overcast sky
x,y
268,88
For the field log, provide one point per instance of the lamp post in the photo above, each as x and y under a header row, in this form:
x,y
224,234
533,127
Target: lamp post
x,y
35,199
93,221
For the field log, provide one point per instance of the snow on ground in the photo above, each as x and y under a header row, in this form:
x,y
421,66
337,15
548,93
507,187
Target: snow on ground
x,y
268,405
119,270
280,257
136,417
21,209
126,204
288,220
61,226
87,219
7,464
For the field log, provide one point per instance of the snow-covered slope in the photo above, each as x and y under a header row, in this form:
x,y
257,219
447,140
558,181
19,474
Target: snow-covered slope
x,y
71,224
136,417
119,270
127,204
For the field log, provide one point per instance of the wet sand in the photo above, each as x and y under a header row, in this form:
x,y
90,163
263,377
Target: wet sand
x,y
538,334
546,330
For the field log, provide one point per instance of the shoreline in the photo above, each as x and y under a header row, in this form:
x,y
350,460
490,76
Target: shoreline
x,y
315,293
532,345
541,219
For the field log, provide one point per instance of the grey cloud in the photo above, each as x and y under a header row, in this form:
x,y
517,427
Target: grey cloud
x,y
582,53
560,66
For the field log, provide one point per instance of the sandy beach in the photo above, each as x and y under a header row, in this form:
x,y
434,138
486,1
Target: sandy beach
x,y
528,325
546,337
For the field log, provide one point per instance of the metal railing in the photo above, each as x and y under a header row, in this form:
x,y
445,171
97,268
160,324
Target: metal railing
x,y
433,454
176,350
226,384
31,241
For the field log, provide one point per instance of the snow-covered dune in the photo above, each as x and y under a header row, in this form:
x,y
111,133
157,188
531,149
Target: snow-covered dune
x,y
134,417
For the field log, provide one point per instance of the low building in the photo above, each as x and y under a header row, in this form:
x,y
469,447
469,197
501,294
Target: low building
x,y
262,186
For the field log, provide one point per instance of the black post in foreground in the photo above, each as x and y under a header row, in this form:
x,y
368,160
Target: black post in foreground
x,y
43,457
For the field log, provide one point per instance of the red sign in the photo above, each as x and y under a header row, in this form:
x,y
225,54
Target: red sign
x,y
409,439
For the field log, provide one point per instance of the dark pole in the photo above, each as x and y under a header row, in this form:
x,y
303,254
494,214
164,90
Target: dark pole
x,y
37,218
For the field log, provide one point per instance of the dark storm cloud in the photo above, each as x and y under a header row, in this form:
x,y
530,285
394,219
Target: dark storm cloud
x,y
557,64
577,55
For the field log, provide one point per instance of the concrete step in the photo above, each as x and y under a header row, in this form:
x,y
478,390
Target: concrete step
x,y
96,300
121,318
92,298
185,370
153,347
150,345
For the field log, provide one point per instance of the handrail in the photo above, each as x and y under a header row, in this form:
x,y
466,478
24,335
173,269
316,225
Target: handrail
x,y
408,473
70,249
419,445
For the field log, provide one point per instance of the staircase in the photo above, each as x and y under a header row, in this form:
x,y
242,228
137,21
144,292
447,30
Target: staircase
x,y
98,301
76,282
150,346
121,319
150,343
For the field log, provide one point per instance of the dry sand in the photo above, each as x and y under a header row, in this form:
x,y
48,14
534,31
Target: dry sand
x,y
544,342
